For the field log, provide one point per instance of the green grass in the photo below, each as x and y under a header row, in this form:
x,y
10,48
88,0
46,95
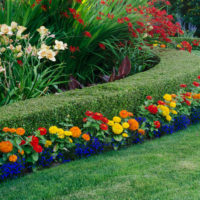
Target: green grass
x,y
161,169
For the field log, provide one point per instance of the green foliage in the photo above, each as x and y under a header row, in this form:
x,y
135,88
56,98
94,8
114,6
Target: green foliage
x,y
188,10
176,67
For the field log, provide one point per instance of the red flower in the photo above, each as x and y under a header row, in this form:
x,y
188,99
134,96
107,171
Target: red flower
x,y
97,116
157,124
152,109
104,127
168,3
149,97
104,120
37,148
22,142
85,119
188,102
73,49
198,77
183,85
196,84
102,46
161,102
87,34
89,113
34,140
43,131
20,62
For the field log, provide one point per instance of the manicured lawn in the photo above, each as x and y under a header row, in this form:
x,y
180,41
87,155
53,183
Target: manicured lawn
x,y
162,169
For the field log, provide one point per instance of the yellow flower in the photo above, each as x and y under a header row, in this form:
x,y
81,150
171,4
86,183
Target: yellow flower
x,y
164,109
53,130
70,140
155,45
48,143
168,118
125,135
61,133
174,112
178,46
172,104
125,125
68,133
117,119
117,129
111,123
167,97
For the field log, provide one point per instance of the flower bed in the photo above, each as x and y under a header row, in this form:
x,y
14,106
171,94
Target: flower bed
x,y
124,94
23,151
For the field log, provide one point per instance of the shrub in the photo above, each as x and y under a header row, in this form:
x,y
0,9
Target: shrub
x,y
175,68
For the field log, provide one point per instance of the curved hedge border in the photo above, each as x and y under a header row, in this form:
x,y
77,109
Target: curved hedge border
x,y
175,68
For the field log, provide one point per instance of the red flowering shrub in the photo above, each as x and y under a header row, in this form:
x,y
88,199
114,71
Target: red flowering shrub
x,y
152,109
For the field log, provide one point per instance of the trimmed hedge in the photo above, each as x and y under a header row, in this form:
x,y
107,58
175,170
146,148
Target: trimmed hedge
x,y
176,67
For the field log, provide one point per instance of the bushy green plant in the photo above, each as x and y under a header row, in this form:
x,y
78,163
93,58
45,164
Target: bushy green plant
x,y
24,72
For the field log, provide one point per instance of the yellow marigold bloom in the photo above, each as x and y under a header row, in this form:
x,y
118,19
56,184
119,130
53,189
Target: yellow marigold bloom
x,y
174,112
53,130
178,46
70,140
155,45
125,135
12,158
117,119
167,97
172,104
168,118
60,131
125,125
111,123
117,129
68,133
48,143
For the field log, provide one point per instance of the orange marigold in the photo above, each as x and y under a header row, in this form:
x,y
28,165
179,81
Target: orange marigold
x,y
12,158
123,114
76,131
6,129
141,131
86,137
12,130
20,131
173,95
21,152
6,147
130,114
134,125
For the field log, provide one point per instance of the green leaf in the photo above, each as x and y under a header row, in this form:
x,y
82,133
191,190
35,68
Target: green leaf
x,y
35,157
118,138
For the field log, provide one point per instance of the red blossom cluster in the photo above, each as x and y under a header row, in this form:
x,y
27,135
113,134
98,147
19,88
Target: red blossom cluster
x,y
152,109
98,117
34,143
